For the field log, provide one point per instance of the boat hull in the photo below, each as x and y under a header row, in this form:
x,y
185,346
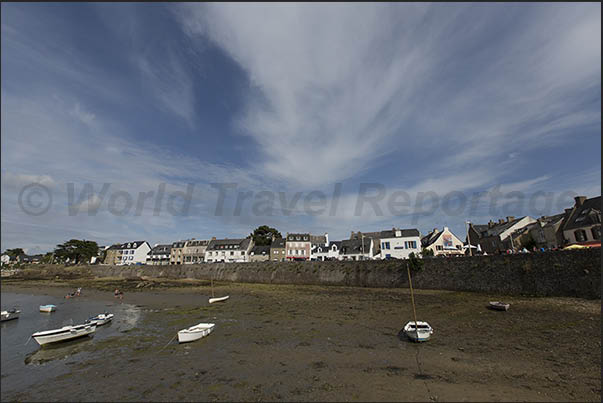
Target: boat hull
x,y
498,306
195,332
101,319
423,333
221,299
6,315
63,334
47,308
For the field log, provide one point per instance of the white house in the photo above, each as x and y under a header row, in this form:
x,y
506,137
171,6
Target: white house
x,y
443,243
228,250
329,251
132,253
5,259
400,243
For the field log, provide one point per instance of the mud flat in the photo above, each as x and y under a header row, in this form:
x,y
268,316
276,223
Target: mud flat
x,y
300,343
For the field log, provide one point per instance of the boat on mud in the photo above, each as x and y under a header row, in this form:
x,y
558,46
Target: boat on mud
x,y
48,308
64,333
195,332
100,319
10,315
418,331
499,306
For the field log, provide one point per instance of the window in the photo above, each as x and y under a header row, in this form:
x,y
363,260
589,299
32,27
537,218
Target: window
x,y
387,245
410,244
242,253
580,235
439,247
231,253
596,233
131,257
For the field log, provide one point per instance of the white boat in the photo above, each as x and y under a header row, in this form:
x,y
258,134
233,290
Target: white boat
x,y
195,332
100,319
212,300
499,306
64,333
48,308
213,297
421,332
416,330
10,315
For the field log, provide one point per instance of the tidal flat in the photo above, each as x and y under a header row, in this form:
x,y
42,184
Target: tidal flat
x,y
301,343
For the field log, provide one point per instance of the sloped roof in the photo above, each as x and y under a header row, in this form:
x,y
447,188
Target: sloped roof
x,y
125,245
230,244
160,249
588,214
278,243
354,246
405,233
261,250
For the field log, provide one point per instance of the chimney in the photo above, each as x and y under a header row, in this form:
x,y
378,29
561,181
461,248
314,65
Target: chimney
x,y
580,200
510,218
501,221
445,228
213,238
491,224
327,239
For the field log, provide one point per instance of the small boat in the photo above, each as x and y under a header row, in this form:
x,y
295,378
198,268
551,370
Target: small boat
x,y
195,332
212,300
213,297
48,308
418,331
10,314
100,319
64,333
499,306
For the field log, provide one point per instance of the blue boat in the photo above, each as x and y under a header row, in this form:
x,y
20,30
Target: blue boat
x,y
48,308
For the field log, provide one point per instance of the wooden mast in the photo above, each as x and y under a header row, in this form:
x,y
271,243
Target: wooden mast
x,y
212,287
412,298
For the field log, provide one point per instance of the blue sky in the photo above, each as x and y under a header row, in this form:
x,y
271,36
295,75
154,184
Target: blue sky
x,y
293,98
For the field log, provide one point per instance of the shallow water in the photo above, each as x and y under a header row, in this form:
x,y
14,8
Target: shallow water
x,y
25,363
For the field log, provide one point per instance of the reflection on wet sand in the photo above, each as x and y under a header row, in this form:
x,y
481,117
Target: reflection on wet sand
x,y
57,351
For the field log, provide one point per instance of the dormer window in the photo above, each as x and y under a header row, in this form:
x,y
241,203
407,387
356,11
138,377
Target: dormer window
x,y
134,245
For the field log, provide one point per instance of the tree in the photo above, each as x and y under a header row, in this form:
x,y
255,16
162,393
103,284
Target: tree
x,y
14,252
48,258
76,251
426,252
414,262
264,234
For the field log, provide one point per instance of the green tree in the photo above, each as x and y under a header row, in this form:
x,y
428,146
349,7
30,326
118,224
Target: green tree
x,y
48,258
414,262
426,252
76,251
264,234
14,252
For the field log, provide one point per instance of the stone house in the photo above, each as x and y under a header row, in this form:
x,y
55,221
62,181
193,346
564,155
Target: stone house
x,y
582,222
159,255
176,252
194,251
278,250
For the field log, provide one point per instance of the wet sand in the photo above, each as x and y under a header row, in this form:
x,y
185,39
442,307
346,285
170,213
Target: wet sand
x,y
301,343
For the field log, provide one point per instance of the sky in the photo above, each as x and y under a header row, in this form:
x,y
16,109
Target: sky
x,y
168,121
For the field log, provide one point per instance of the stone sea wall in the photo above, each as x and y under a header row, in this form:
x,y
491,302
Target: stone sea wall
x,y
574,273
562,273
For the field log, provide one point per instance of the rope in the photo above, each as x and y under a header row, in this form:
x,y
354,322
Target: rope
x,y
27,341
432,398
168,342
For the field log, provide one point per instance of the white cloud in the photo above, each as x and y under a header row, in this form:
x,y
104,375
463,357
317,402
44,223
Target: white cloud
x,y
337,87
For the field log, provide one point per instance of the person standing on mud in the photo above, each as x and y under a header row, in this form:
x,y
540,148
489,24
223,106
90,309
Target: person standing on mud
x,y
118,293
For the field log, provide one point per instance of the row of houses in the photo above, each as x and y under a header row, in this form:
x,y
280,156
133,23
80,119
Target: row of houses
x,y
580,225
